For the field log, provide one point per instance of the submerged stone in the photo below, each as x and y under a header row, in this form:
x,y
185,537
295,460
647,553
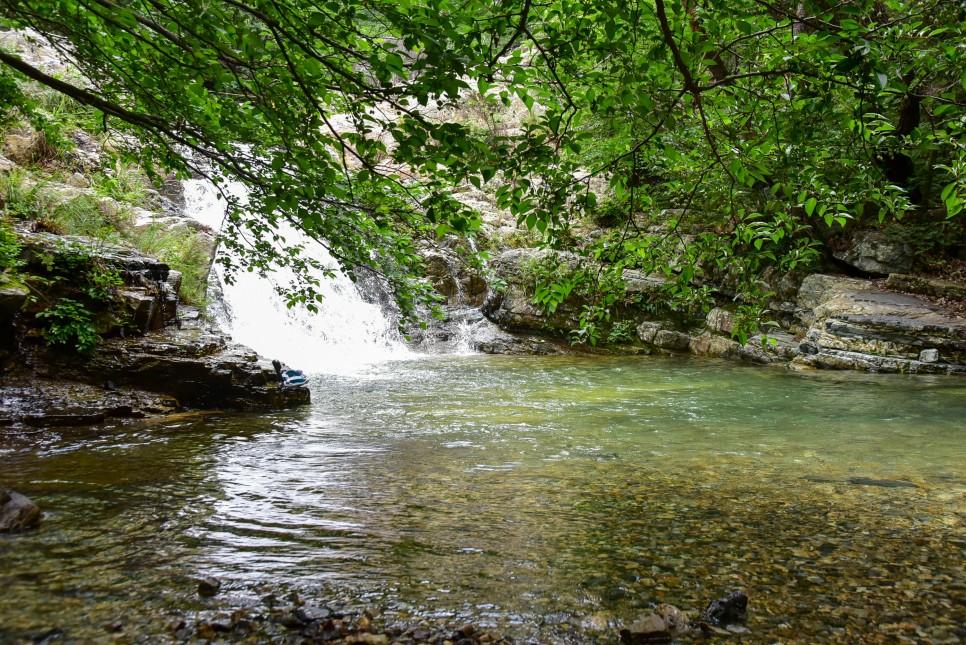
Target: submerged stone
x,y
652,628
884,483
209,586
727,610
17,513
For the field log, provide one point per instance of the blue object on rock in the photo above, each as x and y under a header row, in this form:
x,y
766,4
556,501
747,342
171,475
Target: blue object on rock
x,y
294,378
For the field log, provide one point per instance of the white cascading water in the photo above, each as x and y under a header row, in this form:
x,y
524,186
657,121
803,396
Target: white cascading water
x,y
346,334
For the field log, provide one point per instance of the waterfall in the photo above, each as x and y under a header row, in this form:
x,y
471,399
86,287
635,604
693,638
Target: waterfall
x,y
346,333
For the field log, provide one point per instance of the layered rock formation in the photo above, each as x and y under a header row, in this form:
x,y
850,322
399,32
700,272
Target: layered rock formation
x,y
829,322
155,356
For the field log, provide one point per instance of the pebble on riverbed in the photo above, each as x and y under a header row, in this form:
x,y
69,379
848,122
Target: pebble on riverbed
x,y
317,624
17,513
209,586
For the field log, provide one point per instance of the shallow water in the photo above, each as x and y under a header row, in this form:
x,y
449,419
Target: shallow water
x,y
552,498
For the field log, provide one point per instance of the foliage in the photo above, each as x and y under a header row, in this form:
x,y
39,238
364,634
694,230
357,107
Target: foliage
x,y
609,213
68,322
767,121
622,332
9,247
76,285
125,182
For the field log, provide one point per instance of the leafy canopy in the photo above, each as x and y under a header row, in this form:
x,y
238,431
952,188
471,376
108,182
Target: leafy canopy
x,y
762,124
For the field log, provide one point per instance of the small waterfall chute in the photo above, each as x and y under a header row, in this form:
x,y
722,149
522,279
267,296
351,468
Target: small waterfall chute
x,y
346,333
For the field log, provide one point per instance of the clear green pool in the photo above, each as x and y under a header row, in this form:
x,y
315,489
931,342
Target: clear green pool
x,y
548,497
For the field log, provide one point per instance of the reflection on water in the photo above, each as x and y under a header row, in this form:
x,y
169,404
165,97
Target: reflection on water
x,y
524,493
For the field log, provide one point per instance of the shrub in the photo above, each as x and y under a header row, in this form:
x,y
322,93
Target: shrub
x,y
609,213
69,322
9,247
77,285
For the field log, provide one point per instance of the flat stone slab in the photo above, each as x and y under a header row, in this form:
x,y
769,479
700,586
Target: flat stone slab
x,y
854,324
32,401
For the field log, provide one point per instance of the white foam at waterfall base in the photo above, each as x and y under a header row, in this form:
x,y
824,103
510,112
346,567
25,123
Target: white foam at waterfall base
x,y
345,335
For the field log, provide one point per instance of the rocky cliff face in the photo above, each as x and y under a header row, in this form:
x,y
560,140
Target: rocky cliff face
x,y
156,357
854,324
829,322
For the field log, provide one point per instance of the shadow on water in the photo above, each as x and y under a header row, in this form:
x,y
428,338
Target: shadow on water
x,y
523,493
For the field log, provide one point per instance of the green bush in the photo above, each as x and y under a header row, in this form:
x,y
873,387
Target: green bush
x,y
77,284
69,322
9,247
609,213
624,331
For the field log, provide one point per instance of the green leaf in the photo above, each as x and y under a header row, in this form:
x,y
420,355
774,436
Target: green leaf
x,y
810,205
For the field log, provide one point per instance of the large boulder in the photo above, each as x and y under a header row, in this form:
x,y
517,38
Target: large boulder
x,y
458,283
512,307
873,253
17,513
853,324
148,299
197,365
466,329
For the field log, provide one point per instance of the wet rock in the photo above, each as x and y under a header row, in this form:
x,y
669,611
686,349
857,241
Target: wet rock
x,y
711,630
652,628
453,278
309,614
45,403
292,620
197,365
513,308
12,297
209,586
17,513
465,329
676,620
143,303
725,611
78,418
49,636
211,630
144,310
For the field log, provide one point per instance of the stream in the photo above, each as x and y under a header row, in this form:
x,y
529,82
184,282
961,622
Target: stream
x,y
551,498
